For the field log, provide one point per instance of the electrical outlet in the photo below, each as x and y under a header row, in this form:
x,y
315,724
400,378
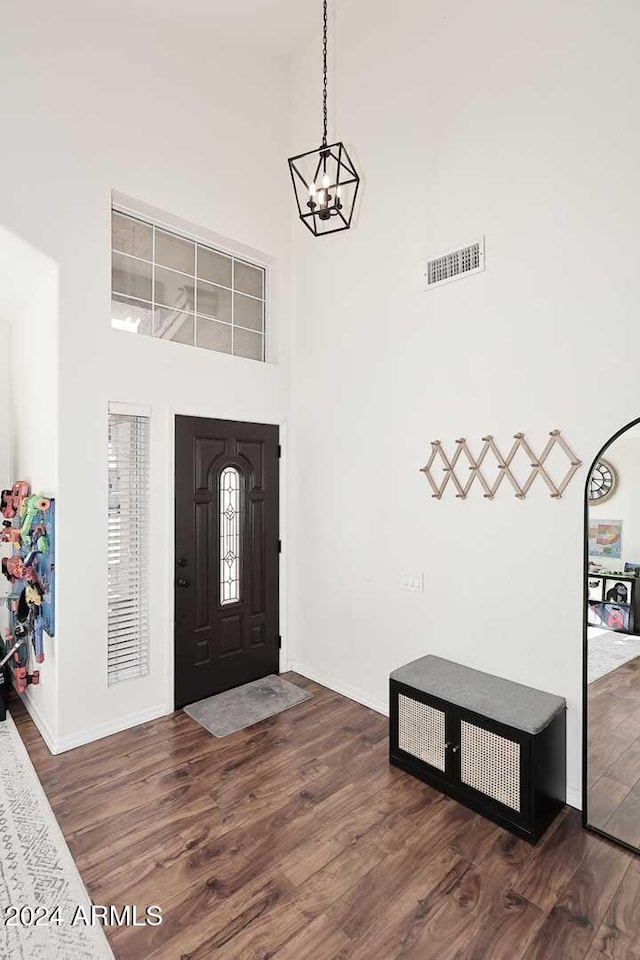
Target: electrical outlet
x,y
412,580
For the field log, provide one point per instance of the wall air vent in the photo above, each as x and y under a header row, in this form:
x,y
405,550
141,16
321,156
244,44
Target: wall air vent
x,y
456,264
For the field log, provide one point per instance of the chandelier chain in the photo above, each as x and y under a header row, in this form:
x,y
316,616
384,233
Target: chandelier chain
x,y
325,181
324,73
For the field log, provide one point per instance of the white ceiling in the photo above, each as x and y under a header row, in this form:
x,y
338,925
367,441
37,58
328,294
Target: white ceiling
x,y
277,25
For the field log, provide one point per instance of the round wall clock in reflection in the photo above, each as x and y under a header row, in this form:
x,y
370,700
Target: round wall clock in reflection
x,y
603,482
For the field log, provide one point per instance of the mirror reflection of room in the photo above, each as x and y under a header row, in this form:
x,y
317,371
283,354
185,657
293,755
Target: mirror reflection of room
x,y
613,640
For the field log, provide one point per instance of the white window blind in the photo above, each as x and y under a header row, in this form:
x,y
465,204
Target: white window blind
x,y
128,551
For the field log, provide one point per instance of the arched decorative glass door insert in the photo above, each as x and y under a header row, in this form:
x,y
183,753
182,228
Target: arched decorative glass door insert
x,y
230,535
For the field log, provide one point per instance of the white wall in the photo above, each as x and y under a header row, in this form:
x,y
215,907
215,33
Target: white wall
x,y
517,121
624,455
5,400
29,409
505,119
33,400
29,385
170,117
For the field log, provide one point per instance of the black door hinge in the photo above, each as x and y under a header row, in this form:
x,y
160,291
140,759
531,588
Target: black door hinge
x,y
279,643
279,451
279,546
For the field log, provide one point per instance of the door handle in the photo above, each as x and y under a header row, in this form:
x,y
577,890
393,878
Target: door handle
x,y
184,582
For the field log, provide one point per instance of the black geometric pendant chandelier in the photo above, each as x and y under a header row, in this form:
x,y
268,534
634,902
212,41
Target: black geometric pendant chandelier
x,y
325,181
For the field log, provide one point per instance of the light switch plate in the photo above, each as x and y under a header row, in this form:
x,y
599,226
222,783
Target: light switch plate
x,y
412,580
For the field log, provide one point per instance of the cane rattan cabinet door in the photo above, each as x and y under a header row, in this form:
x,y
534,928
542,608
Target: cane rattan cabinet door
x,y
494,765
422,731
490,764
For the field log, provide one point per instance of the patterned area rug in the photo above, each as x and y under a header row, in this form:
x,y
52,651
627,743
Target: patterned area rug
x,y
37,870
609,650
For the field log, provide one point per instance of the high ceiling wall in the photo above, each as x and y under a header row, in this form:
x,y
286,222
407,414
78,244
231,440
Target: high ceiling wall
x,y
517,121
168,117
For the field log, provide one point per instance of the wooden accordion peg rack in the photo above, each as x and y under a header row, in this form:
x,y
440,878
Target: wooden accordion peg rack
x,y
490,448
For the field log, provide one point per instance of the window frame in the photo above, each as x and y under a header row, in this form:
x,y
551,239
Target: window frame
x,y
222,249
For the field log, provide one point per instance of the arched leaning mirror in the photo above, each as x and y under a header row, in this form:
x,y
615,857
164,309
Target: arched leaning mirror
x,y
611,789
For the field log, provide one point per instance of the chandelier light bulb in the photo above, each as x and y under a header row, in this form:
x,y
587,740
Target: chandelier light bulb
x,y
325,180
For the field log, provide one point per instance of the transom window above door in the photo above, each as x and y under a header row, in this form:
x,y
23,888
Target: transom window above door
x,y
169,286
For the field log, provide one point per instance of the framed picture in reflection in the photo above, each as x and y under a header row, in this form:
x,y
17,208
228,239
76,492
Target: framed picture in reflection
x,y
605,538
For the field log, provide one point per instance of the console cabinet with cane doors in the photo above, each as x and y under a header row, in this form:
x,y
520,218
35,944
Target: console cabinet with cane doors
x,y
496,746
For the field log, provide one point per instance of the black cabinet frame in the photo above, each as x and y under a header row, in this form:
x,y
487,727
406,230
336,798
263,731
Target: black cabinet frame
x,y
542,765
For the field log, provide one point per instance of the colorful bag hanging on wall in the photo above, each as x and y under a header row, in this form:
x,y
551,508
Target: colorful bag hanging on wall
x,y
29,526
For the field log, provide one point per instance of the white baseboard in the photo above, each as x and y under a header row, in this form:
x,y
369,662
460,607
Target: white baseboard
x,y
43,727
574,797
353,693
89,734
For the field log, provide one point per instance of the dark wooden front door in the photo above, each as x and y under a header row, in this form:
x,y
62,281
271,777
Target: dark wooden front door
x,y
227,555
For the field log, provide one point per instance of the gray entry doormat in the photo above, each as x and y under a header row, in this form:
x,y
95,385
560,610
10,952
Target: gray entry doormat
x,y
236,709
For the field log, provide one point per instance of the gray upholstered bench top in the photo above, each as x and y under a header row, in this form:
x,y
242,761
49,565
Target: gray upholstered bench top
x,y
502,700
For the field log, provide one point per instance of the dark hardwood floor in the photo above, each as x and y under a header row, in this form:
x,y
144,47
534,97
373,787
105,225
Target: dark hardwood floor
x,y
614,752
296,840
